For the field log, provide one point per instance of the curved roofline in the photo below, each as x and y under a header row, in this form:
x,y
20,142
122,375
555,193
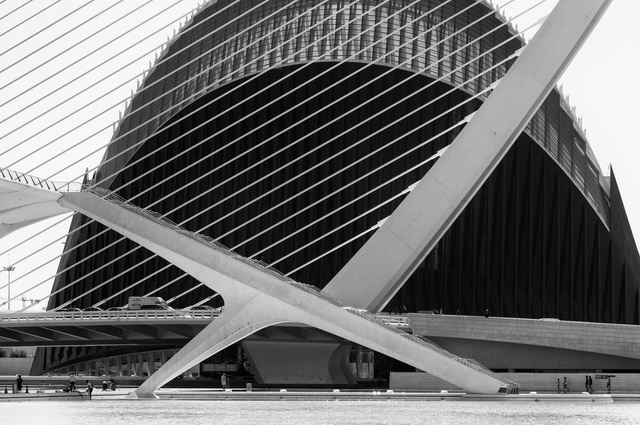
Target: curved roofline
x,y
188,25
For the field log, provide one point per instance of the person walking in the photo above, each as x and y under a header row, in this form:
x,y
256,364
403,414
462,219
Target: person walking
x,y
590,385
72,382
609,384
558,385
223,381
19,383
586,383
89,388
565,388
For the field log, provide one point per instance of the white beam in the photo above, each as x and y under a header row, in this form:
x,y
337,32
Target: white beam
x,y
255,296
230,327
391,255
22,205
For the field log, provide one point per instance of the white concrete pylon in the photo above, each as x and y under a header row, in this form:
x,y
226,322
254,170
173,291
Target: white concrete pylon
x,y
231,326
380,268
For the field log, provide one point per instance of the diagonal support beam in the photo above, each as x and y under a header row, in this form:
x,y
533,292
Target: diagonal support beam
x,y
255,298
218,335
22,205
380,268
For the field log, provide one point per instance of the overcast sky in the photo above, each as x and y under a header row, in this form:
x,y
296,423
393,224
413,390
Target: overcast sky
x,y
600,84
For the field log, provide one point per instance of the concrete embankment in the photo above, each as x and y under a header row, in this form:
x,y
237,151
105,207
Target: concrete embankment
x,y
321,395
40,396
383,395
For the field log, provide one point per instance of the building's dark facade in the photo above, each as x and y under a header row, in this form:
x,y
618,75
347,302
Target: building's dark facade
x,y
246,136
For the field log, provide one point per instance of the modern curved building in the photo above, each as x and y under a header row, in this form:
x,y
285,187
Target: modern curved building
x,y
286,130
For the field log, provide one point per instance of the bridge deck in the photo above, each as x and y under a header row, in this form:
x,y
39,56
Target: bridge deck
x,y
86,328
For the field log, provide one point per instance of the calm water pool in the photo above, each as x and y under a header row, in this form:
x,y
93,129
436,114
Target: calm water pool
x,y
161,412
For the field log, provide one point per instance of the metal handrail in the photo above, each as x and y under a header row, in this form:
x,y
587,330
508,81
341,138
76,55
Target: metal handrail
x,y
53,315
8,174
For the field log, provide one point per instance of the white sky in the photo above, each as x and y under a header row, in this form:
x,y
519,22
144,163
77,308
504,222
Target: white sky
x,y
600,83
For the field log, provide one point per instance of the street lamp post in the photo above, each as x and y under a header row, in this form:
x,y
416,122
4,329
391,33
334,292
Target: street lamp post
x,y
9,269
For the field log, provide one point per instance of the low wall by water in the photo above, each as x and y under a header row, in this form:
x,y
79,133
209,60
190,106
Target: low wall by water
x,y
540,382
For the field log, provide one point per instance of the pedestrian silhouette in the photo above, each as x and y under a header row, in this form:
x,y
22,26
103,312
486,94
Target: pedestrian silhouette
x,y
89,388
223,381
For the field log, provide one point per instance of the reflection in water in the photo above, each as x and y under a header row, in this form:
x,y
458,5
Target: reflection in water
x,y
172,412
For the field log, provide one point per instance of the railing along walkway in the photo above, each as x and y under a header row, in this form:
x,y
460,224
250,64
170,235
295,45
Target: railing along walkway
x,y
30,180
53,316
396,321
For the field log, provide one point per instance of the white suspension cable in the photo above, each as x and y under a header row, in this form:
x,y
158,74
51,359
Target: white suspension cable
x,y
99,97
327,18
39,32
362,159
134,284
30,71
327,142
454,107
211,119
34,86
16,9
347,242
379,113
148,87
139,143
29,18
318,24
353,201
111,279
199,303
185,292
140,57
